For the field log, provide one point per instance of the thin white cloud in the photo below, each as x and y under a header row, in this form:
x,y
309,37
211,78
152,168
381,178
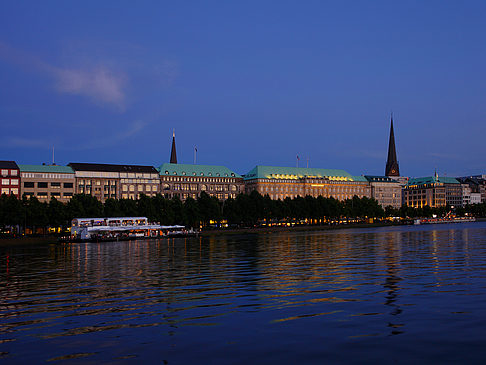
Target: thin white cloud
x,y
95,142
25,142
113,139
100,84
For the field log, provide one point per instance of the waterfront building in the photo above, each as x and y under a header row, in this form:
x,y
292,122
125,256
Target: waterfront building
x,y
186,180
47,181
392,168
386,190
477,185
291,182
433,191
10,178
468,196
105,181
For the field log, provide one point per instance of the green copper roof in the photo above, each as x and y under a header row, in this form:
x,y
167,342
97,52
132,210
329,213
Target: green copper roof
x,y
278,172
195,170
46,168
432,180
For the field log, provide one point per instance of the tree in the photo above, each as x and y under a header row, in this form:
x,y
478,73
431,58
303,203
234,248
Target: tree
x,y
209,208
192,215
57,214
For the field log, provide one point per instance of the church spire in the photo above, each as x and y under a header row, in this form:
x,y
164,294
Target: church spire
x,y
391,168
173,154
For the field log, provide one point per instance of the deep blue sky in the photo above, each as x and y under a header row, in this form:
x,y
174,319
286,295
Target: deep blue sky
x,y
247,82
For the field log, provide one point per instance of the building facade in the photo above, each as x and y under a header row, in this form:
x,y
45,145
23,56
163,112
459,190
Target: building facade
x,y
387,191
105,181
433,191
291,182
186,180
477,184
10,178
468,196
453,191
47,181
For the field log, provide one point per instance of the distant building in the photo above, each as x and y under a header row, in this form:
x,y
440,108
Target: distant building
x,y
386,190
392,168
291,182
10,178
433,191
47,181
468,196
185,180
105,181
477,184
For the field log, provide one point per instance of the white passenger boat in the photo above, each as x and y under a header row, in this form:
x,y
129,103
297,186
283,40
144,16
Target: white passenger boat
x,y
122,228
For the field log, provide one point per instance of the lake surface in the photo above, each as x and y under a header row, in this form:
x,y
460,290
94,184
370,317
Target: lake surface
x,y
386,295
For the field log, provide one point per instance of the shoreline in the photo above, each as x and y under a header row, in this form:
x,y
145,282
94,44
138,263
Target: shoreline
x,y
236,231
223,231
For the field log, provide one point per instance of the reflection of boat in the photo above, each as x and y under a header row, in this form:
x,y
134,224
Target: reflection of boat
x,y
122,229
443,220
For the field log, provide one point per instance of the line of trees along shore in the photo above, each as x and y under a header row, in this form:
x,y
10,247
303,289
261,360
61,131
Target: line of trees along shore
x,y
243,211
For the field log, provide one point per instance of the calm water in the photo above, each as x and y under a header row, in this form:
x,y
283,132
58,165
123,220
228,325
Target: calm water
x,y
400,295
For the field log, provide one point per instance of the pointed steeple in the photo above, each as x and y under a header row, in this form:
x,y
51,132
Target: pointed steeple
x,y
173,154
391,168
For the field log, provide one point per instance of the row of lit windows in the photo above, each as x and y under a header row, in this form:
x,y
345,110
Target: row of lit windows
x,y
139,181
196,179
10,181
34,175
45,194
6,172
96,182
140,187
9,191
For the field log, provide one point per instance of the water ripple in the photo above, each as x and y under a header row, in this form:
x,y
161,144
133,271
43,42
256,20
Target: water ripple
x,y
294,297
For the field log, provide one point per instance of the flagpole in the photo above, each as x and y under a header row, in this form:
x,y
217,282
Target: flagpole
x,y
195,155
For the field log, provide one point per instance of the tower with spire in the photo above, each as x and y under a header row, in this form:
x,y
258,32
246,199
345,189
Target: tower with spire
x,y
173,154
391,168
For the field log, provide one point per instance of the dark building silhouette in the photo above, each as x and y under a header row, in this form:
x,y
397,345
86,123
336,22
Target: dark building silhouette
x,y
173,154
391,168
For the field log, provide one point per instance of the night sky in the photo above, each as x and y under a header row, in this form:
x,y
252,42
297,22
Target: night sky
x,y
247,82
